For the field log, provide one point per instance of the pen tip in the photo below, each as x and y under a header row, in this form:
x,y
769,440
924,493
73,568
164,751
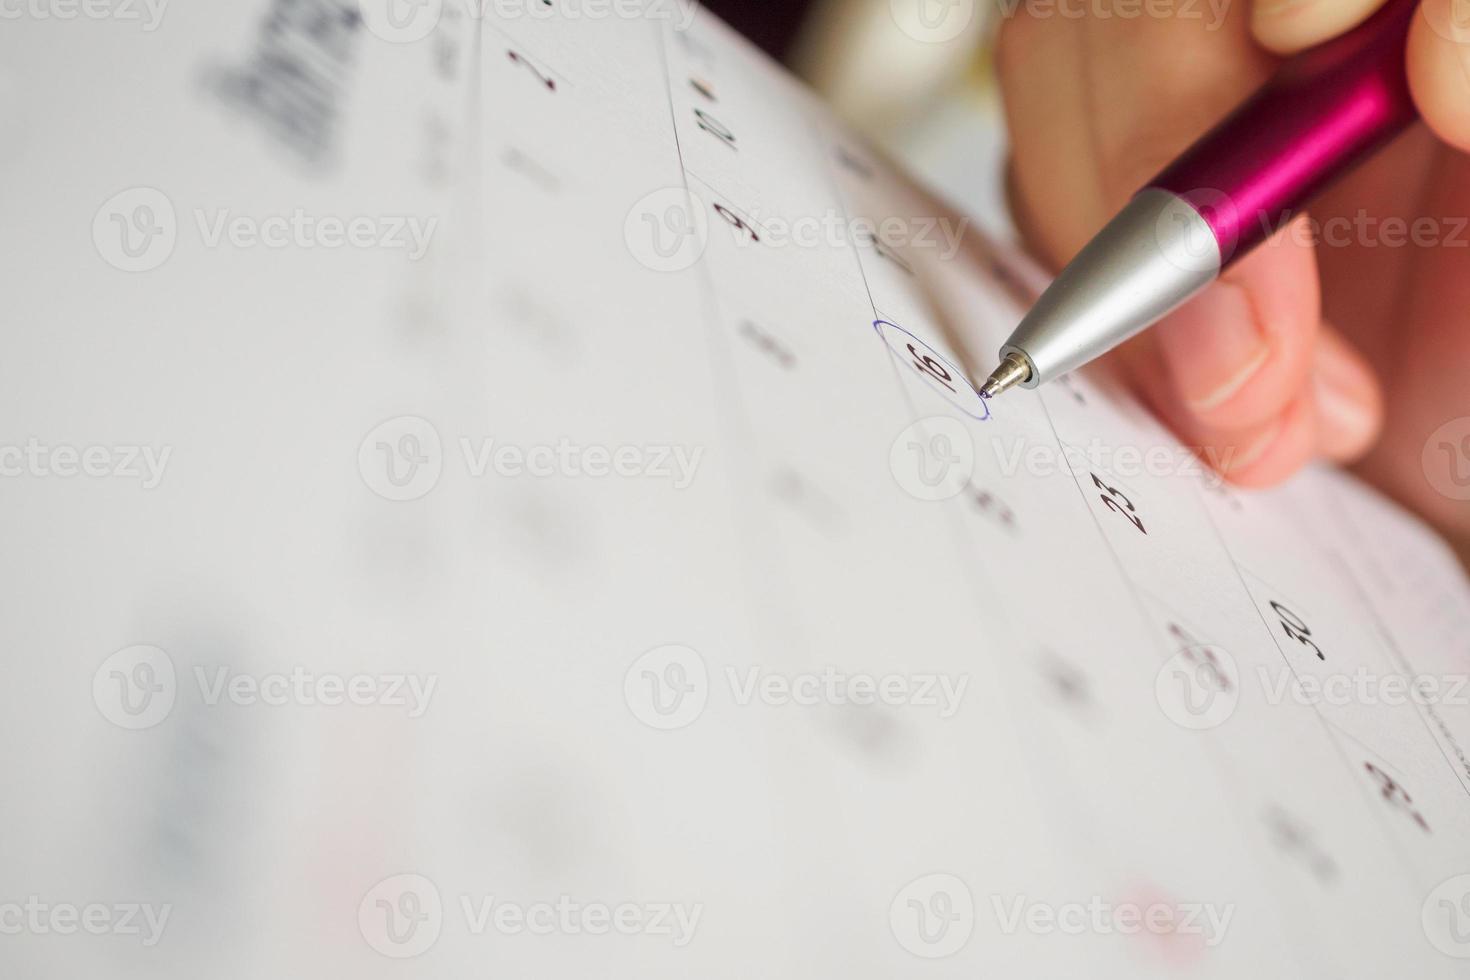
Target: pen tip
x,y
1013,370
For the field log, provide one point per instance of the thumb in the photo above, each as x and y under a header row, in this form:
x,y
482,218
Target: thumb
x,y
1438,56
1288,26
1439,68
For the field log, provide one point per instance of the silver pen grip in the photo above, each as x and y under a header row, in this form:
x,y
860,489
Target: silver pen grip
x,y
1155,254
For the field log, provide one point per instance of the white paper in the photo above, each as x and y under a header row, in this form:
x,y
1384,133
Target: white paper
x,y
327,651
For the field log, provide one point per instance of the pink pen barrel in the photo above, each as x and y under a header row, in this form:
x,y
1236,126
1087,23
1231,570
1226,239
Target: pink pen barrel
x,y
1322,112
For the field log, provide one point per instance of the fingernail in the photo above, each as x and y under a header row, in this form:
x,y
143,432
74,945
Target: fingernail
x,y
1234,462
1270,8
1347,419
1290,25
1345,425
1213,347
1450,19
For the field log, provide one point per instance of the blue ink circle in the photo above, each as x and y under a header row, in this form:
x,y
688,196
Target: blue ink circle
x,y
955,372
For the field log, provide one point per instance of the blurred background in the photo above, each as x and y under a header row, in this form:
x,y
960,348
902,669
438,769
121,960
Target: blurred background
x,y
914,76
773,26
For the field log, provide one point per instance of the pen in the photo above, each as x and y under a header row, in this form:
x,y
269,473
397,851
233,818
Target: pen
x,y
1323,112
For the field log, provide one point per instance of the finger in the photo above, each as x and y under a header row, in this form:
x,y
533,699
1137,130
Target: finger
x,y
1337,415
1288,26
1267,454
1439,68
1055,198
1348,399
1258,455
1236,356
1095,106
1095,109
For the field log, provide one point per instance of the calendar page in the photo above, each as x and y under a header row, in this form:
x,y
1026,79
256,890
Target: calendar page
x,y
498,489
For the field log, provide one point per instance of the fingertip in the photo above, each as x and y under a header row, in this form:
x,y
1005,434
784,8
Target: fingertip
x,y
1439,70
1240,352
1267,455
1288,26
1348,399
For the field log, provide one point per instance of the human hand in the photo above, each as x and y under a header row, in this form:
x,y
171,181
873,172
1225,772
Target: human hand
x,y
1347,335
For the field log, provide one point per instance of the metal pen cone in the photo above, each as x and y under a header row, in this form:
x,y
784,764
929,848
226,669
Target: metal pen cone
x,y
1153,256
1013,370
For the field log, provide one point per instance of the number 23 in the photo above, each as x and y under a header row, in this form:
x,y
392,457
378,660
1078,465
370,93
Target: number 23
x,y
1118,502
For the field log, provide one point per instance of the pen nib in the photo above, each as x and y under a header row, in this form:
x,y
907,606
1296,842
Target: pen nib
x,y
1012,371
